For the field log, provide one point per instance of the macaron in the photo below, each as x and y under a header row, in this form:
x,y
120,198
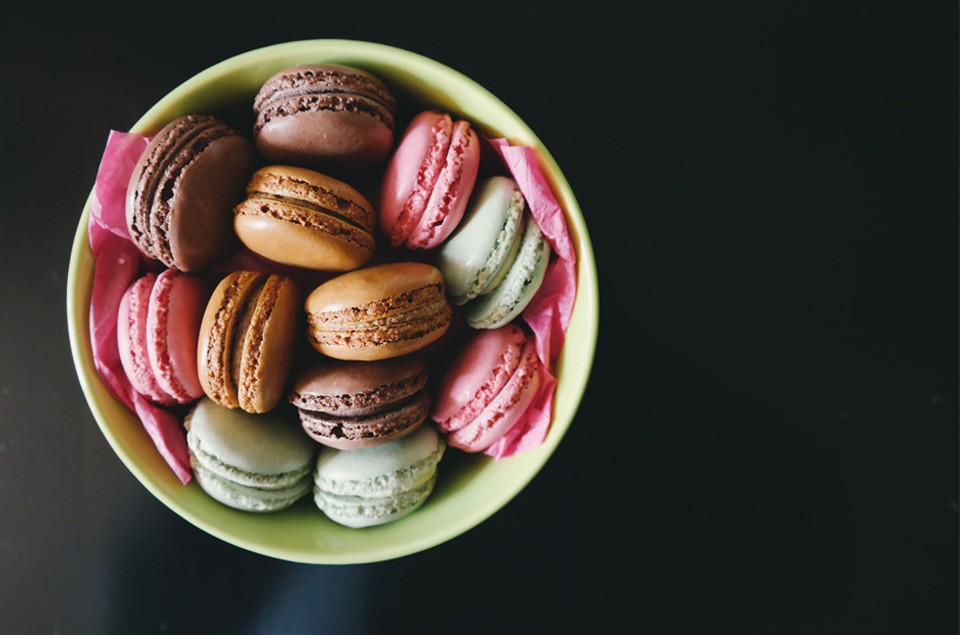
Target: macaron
x,y
378,312
158,322
351,404
428,181
252,462
246,340
488,387
374,486
306,219
324,115
479,253
182,190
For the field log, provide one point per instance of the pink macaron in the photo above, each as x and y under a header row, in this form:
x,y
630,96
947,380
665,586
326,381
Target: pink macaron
x,y
158,324
491,383
429,180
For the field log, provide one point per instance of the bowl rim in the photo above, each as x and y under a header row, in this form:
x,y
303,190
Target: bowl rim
x,y
587,295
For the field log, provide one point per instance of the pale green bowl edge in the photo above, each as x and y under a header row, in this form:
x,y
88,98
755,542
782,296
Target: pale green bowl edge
x,y
491,485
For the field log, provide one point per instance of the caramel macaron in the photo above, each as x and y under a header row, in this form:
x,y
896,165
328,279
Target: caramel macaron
x,y
378,312
352,404
306,219
246,340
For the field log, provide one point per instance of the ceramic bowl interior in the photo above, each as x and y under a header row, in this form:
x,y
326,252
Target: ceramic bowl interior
x,y
471,488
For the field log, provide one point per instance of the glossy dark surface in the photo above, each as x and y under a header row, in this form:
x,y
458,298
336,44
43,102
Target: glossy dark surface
x,y
769,440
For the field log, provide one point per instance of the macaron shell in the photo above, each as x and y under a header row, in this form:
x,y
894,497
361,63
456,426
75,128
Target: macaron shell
x,y
351,388
329,245
132,317
452,191
506,408
324,139
177,302
478,373
372,284
508,299
385,470
473,258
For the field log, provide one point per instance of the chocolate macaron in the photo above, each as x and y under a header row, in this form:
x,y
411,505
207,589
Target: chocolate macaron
x,y
378,312
182,190
350,404
323,115
306,219
246,340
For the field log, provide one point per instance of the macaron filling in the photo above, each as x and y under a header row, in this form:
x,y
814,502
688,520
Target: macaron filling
x,y
383,485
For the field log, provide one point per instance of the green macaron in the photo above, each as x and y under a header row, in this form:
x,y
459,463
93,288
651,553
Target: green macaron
x,y
253,462
377,485
495,262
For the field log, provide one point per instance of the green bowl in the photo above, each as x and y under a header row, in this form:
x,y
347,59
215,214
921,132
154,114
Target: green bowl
x,y
470,488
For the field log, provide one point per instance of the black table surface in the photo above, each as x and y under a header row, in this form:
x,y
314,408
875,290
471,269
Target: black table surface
x,y
769,439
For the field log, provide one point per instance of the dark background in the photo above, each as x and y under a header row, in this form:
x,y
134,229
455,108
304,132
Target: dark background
x,y
769,440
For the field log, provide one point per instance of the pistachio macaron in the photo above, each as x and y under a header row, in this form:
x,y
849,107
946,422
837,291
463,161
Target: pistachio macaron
x,y
496,260
378,312
246,341
374,486
303,218
252,462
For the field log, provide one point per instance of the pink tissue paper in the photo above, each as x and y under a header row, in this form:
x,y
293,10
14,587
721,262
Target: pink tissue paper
x,y
548,314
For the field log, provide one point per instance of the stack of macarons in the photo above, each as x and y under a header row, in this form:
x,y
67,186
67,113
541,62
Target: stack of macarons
x,y
303,348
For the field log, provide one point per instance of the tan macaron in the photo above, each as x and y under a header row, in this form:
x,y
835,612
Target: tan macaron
x,y
246,340
378,312
306,219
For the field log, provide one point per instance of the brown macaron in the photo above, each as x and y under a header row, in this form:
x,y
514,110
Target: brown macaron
x,y
246,340
303,218
182,190
378,312
350,404
324,115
